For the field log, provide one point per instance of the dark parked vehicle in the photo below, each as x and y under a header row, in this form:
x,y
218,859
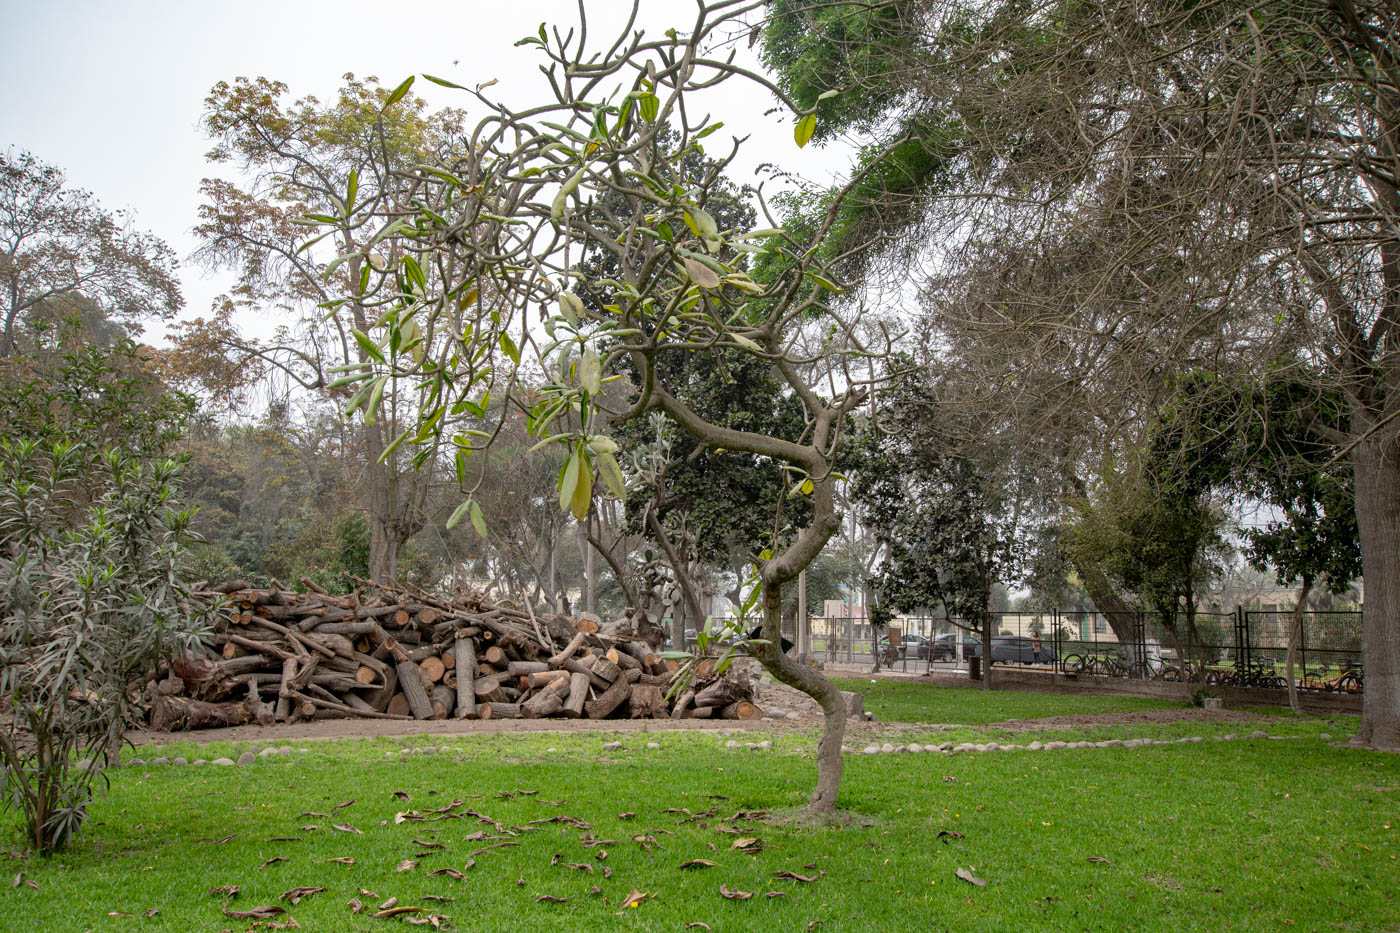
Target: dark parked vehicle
x,y
945,647
1017,649
1006,649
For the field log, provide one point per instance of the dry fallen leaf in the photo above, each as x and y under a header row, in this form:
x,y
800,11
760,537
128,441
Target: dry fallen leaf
x,y
439,898
342,806
274,860
295,895
228,838
1100,859
551,899
595,890
626,816
814,924
951,834
697,925
346,828
402,795
633,899
324,816
355,905
449,872
970,878
285,839
698,863
227,890
342,860
395,912
773,894
407,864
436,921
119,913
794,876
735,895
391,902
262,912
429,845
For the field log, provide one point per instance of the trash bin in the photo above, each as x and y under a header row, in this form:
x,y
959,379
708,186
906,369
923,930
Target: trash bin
x,y
974,667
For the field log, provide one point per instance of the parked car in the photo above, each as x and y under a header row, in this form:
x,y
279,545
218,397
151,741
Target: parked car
x,y
945,647
1006,649
914,646
1018,649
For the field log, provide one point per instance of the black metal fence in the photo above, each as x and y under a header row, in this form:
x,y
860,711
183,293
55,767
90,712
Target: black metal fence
x,y
1247,647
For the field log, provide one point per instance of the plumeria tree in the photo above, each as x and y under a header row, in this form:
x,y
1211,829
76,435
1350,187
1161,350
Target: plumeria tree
x,y
601,166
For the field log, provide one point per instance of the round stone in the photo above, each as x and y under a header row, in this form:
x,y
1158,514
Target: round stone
x,y
444,750
551,749
915,748
268,753
653,745
1258,734
136,763
612,746
1324,735
764,744
301,751
179,761
246,758
1035,746
429,750
871,750
223,762
1054,745
162,760
199,761
730,744
887,748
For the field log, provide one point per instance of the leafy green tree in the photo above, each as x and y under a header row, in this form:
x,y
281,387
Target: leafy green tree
x,y
952,523
92,544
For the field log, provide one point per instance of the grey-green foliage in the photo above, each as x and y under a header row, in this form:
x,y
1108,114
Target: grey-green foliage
x,y
91,539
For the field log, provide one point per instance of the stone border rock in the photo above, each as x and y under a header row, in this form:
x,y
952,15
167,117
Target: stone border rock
x,y
948,748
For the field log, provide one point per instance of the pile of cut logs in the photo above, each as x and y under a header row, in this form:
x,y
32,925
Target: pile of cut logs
x,y
390,653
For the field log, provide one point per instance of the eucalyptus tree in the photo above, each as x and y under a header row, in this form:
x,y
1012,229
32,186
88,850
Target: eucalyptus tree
x,y
1119,191
600,164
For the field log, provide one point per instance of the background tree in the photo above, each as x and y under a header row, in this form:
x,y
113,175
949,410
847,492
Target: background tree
x,y
1129,191
952,522
62,253
337,162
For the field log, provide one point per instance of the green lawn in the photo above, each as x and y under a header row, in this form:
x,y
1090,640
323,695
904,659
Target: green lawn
x,y
1244,835
906,701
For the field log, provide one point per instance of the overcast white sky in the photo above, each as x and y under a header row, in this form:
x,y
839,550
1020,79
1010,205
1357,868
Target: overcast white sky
x,y
112,92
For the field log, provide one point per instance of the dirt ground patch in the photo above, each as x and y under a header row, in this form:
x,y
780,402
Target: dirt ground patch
x,y
785,709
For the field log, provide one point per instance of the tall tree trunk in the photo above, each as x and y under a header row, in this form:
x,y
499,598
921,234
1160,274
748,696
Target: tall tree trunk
x,y
815,685
1119,614
1376,461
1295,631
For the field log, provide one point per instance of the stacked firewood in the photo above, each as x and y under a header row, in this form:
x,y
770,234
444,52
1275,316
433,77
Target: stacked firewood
x,y
392,653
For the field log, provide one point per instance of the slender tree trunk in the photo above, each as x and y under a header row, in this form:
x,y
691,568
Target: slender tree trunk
x,y
815,685
1295,631
1376,461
